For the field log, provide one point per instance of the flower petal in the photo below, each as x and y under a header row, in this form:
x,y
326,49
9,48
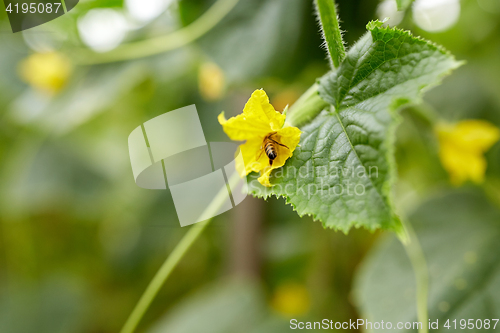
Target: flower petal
x,y
289,137
259,109
254,156
264,177
462,165
472,135
462,146
241,127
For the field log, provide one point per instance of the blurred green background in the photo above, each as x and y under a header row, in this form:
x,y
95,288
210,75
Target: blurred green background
x,y
79,241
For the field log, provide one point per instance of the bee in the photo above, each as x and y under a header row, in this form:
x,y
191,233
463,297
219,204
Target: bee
x,y
269,146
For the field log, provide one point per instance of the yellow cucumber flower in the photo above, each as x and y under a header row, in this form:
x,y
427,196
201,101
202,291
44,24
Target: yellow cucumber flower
x,y
291,299
48,72
269,142
462,146
211,81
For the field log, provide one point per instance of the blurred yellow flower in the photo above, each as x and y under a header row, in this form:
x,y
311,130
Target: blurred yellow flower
x,y
268,142
462,146
291,299
47,72
211,81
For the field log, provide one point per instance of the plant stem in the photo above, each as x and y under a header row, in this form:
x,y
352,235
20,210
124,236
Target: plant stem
x,y
419,264
327,14
64,6
174,258
426,113
306,107
160,44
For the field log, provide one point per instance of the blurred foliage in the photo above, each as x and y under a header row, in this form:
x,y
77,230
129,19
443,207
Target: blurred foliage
x,y
80,241
464,279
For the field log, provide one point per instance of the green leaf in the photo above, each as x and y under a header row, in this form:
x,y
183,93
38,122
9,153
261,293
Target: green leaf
x,y
219,308
230,306
403,4
327,15
459,235
342,173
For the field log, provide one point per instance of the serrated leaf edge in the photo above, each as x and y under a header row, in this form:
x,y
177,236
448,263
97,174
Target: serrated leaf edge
x,y
397,227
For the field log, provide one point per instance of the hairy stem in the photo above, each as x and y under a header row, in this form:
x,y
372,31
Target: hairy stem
x,y
173,259
160,44
327,14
